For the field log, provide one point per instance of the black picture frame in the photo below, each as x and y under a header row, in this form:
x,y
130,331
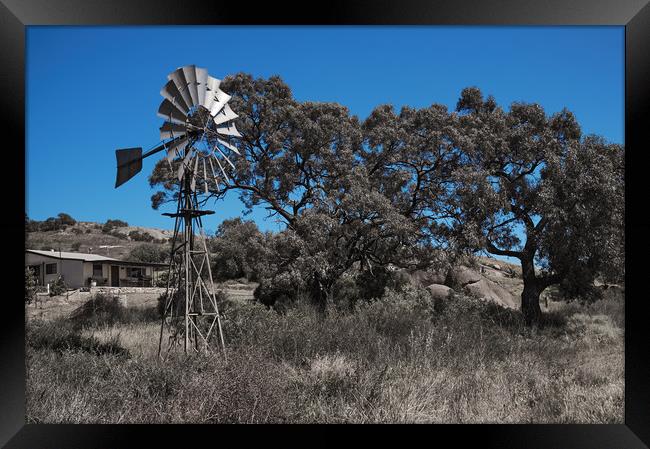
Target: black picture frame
x,y
15,15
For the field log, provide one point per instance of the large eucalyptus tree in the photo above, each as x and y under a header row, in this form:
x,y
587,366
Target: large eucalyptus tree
x,y
532,187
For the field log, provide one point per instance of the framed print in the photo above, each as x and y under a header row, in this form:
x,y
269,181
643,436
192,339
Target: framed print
x,y
425,214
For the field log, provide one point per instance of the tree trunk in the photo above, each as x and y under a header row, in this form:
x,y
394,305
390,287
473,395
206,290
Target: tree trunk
x,y
321,293
530,296
530,303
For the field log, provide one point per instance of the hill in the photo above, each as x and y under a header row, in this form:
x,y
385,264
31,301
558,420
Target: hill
x,y
88,237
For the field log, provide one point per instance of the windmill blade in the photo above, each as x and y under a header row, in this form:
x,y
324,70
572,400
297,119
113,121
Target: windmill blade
x,y
225,157
171,130
224,115
196,165
205,177
201,80
211,88
184,164
214,174
168,111
176,147
221,98
229,146
190,76
225,175
171,93
231,130
178,77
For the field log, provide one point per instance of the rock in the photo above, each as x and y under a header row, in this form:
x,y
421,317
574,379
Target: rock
x,y
461,276
424,278
491,291
439,291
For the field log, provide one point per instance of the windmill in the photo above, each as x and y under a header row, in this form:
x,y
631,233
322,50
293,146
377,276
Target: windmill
x,y
196,135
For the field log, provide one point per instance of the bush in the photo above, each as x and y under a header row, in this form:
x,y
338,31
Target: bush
x,y
60,336
373,284
77,231
75,246
30,286
103,309
112,224
66,220
138,236
58,287
149,253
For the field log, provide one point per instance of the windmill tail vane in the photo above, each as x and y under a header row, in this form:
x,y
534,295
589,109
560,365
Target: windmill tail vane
x,y
198,127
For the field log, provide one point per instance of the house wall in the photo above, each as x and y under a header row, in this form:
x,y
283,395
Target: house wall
x,y
88,270
71,270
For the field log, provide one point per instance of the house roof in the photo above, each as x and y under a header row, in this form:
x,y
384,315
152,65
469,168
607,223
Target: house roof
x,y
85,257
71,256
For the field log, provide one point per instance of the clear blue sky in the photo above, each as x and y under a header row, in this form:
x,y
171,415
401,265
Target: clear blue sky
x,y
91,90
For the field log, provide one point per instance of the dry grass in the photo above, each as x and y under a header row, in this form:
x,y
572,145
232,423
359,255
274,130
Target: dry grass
x,y
401,359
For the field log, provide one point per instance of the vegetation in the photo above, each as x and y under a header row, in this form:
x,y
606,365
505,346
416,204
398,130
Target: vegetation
x,y
533,174
149,253
61,221
30,286
417,189
58,286
399,359
110,225
141,236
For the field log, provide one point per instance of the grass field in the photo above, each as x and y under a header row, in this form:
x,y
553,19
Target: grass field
x,y
399,359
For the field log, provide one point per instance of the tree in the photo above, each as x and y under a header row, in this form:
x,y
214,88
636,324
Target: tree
x,y
239,250
110,225
533,188
303,163
148,253
66,219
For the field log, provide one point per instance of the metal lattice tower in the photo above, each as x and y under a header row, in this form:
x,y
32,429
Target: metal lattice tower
x,y
191,313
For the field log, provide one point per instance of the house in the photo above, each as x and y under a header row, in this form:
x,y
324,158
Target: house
x,y
79,269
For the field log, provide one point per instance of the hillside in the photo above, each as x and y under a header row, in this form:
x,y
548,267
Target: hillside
x,y
87,237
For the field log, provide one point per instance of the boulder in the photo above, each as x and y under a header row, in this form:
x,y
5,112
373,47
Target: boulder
x,y
461,276
491,291
439,291
424,278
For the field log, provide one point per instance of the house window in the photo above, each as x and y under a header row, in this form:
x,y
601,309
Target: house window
x,y
50,268
97,270
135,272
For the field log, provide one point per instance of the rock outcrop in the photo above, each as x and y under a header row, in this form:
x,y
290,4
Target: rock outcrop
x,y
439,291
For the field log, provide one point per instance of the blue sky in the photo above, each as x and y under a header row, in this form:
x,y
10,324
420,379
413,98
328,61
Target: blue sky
x,y
91,90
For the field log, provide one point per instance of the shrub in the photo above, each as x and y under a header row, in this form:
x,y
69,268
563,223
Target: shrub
x,y
60,336
103,309
373,284
112,224
75,246
138,236
58,287
30,286
148,252
66,220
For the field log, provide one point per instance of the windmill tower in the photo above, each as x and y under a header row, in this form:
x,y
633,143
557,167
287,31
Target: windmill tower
x,y
197,133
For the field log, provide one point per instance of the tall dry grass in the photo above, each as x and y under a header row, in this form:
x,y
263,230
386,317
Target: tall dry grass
x,y
399,359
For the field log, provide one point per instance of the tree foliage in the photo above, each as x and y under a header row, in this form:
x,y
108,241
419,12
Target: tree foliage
x,y
414,188
148,253
530,186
